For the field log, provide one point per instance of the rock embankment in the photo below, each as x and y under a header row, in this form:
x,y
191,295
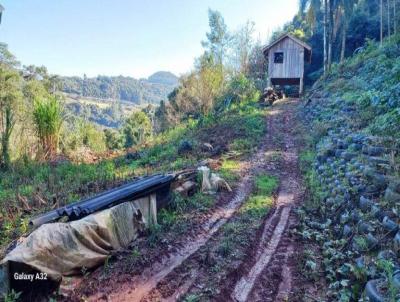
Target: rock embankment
x,y
356,179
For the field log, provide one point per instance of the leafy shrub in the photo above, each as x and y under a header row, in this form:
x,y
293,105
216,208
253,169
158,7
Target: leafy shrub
x,y
113,139
136,129
240,89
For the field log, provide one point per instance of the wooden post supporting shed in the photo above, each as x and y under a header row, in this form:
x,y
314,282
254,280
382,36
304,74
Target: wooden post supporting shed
x,y
286,57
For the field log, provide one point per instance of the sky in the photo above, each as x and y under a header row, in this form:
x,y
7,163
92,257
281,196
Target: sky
x,y
125,37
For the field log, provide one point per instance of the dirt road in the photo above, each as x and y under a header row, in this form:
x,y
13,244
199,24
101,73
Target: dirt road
x,y
260,268
270,277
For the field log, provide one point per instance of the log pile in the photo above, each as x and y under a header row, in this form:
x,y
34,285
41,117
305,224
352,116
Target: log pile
x,y
270,95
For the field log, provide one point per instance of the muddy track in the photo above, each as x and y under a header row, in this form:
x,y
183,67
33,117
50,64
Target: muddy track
x,y
270,277
150,278
264,276
267,275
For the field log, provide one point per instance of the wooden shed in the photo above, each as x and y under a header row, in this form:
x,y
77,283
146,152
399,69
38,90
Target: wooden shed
x,y
286,57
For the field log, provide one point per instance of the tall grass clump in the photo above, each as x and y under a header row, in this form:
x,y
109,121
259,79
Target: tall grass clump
x,y
47,117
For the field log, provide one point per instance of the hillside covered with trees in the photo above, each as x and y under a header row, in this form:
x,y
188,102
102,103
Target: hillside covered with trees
x,y
143,91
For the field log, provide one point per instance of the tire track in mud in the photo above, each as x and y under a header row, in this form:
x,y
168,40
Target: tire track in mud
x,y
260,283
181,284
270,277
176,285
143,284
185,283
276,281
246,283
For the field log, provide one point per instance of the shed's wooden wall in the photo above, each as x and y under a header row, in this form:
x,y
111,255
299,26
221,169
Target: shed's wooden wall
x,y
293,60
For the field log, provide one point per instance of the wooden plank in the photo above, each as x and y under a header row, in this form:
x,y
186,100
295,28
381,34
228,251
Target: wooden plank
x,y
293,62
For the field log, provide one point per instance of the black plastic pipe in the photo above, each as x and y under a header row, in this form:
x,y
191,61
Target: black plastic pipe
x,y
133,190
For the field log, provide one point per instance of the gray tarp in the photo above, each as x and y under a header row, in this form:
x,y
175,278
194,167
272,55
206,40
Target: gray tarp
x,y
61,249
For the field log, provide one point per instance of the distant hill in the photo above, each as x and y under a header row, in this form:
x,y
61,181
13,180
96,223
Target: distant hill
x,y
164,77
143,91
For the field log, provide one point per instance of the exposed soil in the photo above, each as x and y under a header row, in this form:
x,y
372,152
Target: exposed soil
x,y
270,278
261,268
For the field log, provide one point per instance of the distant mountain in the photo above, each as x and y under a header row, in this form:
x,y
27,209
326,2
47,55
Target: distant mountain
x,y
143,91
164,77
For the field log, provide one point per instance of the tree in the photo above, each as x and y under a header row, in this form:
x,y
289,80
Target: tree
x,y
218,37
333,12
302,6
113,139
388,17
243,44
34,89
136,129
326,28
201,88
258,66
9,96
314,9
6,57
207,86
347,7
330,33
394,17
381,10
334,28
160,118
90,136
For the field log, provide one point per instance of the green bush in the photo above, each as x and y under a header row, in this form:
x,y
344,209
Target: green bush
x,y
137,128
113,139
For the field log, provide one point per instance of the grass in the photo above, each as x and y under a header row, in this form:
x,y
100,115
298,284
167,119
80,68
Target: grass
x,y
261,199
176,218
241,145
229,170
316,192
242,131
258,206
12,296
48,120
102,104
266,184
86,101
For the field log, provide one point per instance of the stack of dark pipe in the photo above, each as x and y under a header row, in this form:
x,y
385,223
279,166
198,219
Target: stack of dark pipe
x,y
145,186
